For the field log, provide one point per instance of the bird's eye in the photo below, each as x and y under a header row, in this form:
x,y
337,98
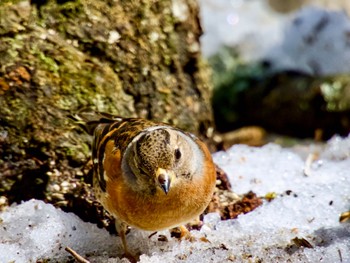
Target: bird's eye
x,y
177,154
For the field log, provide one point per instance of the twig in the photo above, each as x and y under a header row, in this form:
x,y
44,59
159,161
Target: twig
x,y
79,258
310,159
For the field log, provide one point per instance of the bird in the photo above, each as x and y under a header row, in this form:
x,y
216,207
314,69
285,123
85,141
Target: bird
x,y
148,175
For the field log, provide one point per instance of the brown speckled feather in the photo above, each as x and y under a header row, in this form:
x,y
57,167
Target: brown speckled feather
x,y
120,133
107,128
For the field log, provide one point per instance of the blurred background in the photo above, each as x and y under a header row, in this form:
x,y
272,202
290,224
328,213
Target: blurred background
x,y
279,65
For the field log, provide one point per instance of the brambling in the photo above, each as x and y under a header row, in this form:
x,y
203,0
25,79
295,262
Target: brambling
x,y
148,175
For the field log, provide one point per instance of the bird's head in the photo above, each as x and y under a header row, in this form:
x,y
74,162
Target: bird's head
x,y
161,157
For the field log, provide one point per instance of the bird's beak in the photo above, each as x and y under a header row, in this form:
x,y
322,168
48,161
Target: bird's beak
x,y
164,178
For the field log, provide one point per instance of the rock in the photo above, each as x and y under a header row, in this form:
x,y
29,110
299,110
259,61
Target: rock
x,y
121,57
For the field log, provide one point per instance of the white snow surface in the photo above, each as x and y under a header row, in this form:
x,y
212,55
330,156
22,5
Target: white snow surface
x,y
314,39
247,24
307,207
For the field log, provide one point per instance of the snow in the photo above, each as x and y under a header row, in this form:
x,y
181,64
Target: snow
x,y
314,39
34,230
249,25
305,207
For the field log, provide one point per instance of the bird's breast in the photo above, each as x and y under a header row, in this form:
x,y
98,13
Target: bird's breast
x,y
183,203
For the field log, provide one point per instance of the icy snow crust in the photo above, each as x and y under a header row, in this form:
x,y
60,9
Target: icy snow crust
x,y
304,207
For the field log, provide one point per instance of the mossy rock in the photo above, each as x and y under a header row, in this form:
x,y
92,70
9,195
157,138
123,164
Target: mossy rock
x,y
123,57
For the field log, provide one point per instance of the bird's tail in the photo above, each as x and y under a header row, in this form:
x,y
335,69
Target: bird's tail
x,y
89,120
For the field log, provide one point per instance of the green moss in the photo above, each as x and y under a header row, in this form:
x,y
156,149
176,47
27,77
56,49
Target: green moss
x,y
71,9
72,151
47,62
12,47
9,2
61,15
336,93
